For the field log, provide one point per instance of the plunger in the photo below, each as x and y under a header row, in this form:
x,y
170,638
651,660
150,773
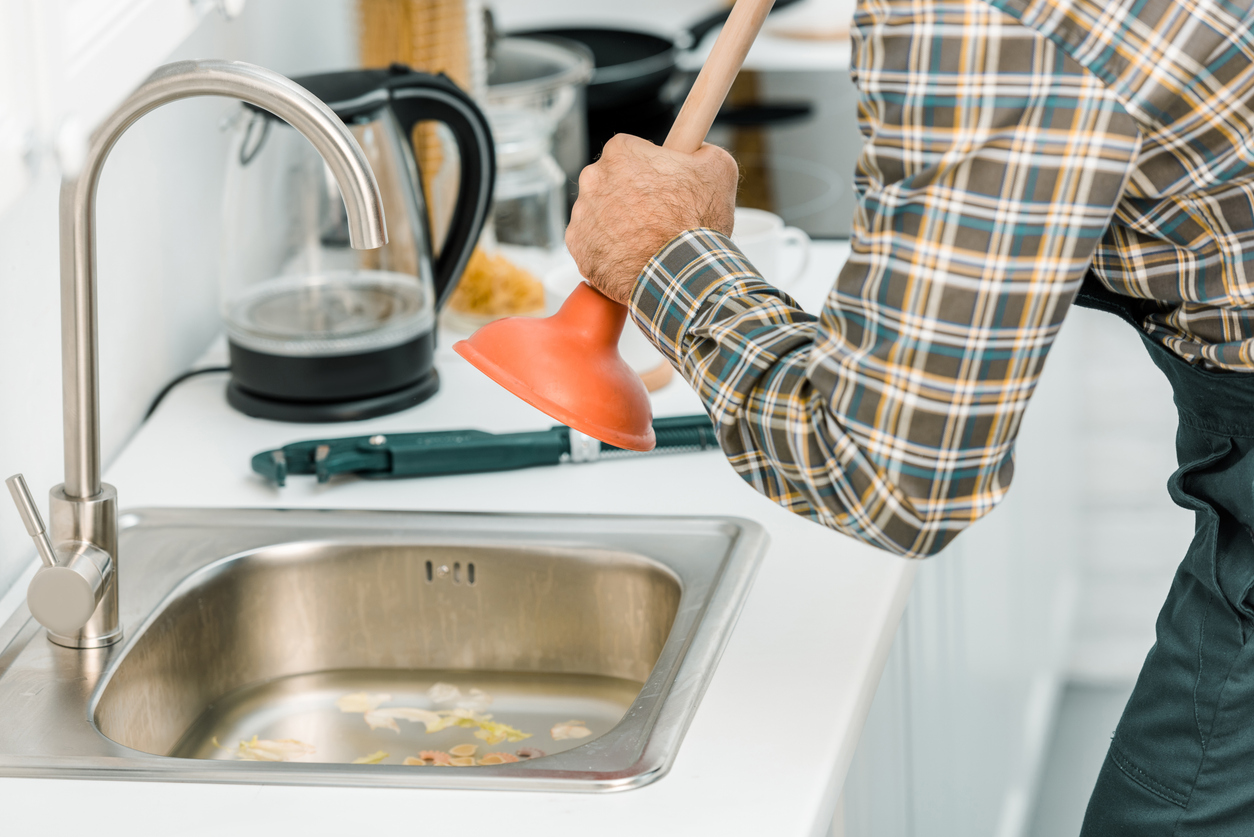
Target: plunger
x,y
568,365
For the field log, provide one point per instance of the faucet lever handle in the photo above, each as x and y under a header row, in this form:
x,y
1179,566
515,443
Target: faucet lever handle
x,y
30,516
63,595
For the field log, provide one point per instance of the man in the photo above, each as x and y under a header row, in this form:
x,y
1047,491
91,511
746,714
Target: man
x,y
1016,150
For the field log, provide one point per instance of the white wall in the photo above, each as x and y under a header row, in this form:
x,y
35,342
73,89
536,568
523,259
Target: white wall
x,y
158,217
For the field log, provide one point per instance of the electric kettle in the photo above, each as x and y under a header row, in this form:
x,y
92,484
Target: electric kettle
x,y
317,331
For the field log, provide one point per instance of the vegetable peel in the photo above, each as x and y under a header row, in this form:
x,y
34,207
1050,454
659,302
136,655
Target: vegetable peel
x,y
476,700
374,758
443,693
378,719
494,732
264,749
361,702
569,729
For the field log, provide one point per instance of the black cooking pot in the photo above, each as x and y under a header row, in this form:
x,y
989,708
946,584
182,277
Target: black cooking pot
x,y
625,94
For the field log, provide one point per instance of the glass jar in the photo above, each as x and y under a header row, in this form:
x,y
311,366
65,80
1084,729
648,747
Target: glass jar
x,y
548,76
530,198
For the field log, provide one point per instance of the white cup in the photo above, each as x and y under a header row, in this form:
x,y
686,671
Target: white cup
x,y
780,253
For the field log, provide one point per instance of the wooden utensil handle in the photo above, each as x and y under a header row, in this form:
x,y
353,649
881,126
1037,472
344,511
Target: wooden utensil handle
x,y
717,75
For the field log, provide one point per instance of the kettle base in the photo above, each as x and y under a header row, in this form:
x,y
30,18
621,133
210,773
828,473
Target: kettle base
x,y
319,412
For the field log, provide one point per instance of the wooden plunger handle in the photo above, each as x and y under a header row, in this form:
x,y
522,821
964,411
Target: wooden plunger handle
x,y
717,74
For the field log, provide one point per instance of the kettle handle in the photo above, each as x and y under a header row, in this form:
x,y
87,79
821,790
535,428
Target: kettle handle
x,y
421,97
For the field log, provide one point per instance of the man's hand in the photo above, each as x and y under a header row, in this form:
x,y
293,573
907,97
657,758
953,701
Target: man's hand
x,y
639,196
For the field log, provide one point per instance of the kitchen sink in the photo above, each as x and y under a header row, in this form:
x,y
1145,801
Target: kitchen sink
x,y
243,623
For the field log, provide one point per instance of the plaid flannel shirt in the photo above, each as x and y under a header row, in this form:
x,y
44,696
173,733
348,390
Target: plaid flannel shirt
x,y
1012,147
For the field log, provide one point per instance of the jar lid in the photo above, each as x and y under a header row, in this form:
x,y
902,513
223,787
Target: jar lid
x,y
531,66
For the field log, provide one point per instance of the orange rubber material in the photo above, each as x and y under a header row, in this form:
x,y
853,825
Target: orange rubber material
x,y
568,366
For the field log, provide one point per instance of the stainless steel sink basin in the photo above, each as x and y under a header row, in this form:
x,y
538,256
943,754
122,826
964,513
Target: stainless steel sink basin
x,y
245,623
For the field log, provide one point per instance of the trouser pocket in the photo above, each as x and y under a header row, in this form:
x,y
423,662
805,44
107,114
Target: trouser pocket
x,y
1216,482
1169,721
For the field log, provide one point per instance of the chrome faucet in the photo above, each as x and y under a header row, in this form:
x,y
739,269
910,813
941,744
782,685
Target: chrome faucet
x,y
75,594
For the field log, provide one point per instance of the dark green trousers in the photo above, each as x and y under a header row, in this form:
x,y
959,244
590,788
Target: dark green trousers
x,y
1182,758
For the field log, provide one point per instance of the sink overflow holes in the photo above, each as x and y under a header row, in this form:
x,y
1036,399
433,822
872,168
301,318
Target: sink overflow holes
x,y
443,571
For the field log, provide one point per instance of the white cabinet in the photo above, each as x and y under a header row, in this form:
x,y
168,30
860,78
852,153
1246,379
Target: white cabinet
x,y
960,723
64,64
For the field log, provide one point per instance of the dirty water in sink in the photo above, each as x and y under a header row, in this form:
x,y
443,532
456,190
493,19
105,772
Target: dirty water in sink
x,y
303,707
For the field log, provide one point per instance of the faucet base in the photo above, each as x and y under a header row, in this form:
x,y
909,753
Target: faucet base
x,y
92,521
81,641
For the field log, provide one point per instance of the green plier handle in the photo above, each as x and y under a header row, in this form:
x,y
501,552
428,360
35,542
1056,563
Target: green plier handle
x,y
443,452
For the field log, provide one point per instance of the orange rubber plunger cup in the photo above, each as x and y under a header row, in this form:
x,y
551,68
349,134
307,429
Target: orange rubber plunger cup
x,y
568,365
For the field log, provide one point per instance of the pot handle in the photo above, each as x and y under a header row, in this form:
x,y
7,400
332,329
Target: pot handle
x,y
696,32
420,97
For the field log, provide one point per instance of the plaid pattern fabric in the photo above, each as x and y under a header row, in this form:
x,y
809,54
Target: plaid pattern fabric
x,y
1011,147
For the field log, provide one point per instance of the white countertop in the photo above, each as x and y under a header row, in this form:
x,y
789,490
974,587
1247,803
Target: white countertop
x,y
770,743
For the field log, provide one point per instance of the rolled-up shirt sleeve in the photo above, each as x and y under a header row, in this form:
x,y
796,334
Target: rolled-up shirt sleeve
x,y
991,169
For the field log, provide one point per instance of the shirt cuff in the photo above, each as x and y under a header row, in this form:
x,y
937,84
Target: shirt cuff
x,y
673,287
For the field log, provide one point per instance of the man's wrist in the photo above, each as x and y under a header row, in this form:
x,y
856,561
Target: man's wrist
x,y
675,282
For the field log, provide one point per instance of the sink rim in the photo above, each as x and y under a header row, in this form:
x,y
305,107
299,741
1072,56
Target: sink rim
x,y
656,722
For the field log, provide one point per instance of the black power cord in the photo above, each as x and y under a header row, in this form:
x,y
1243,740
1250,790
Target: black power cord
x,y
152,408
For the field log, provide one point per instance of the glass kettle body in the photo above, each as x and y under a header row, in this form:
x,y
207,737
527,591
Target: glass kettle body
x,y
318,331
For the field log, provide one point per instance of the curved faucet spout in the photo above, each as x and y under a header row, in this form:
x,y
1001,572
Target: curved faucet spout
x,y
82,553
181,80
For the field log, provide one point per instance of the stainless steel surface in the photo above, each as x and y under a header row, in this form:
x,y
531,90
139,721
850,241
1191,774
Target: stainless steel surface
x,y
79,527
253,622
584,448
83,509
303,707
180,80
71,594
31,518
64,598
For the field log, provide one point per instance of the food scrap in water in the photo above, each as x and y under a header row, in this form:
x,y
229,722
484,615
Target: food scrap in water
x,y
361,702
436,757
494,732
458,718
381,720
476,700
466,714
570,729
530,753
410,760
373,758
386,718
498,758
284,749
443,693
467,761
